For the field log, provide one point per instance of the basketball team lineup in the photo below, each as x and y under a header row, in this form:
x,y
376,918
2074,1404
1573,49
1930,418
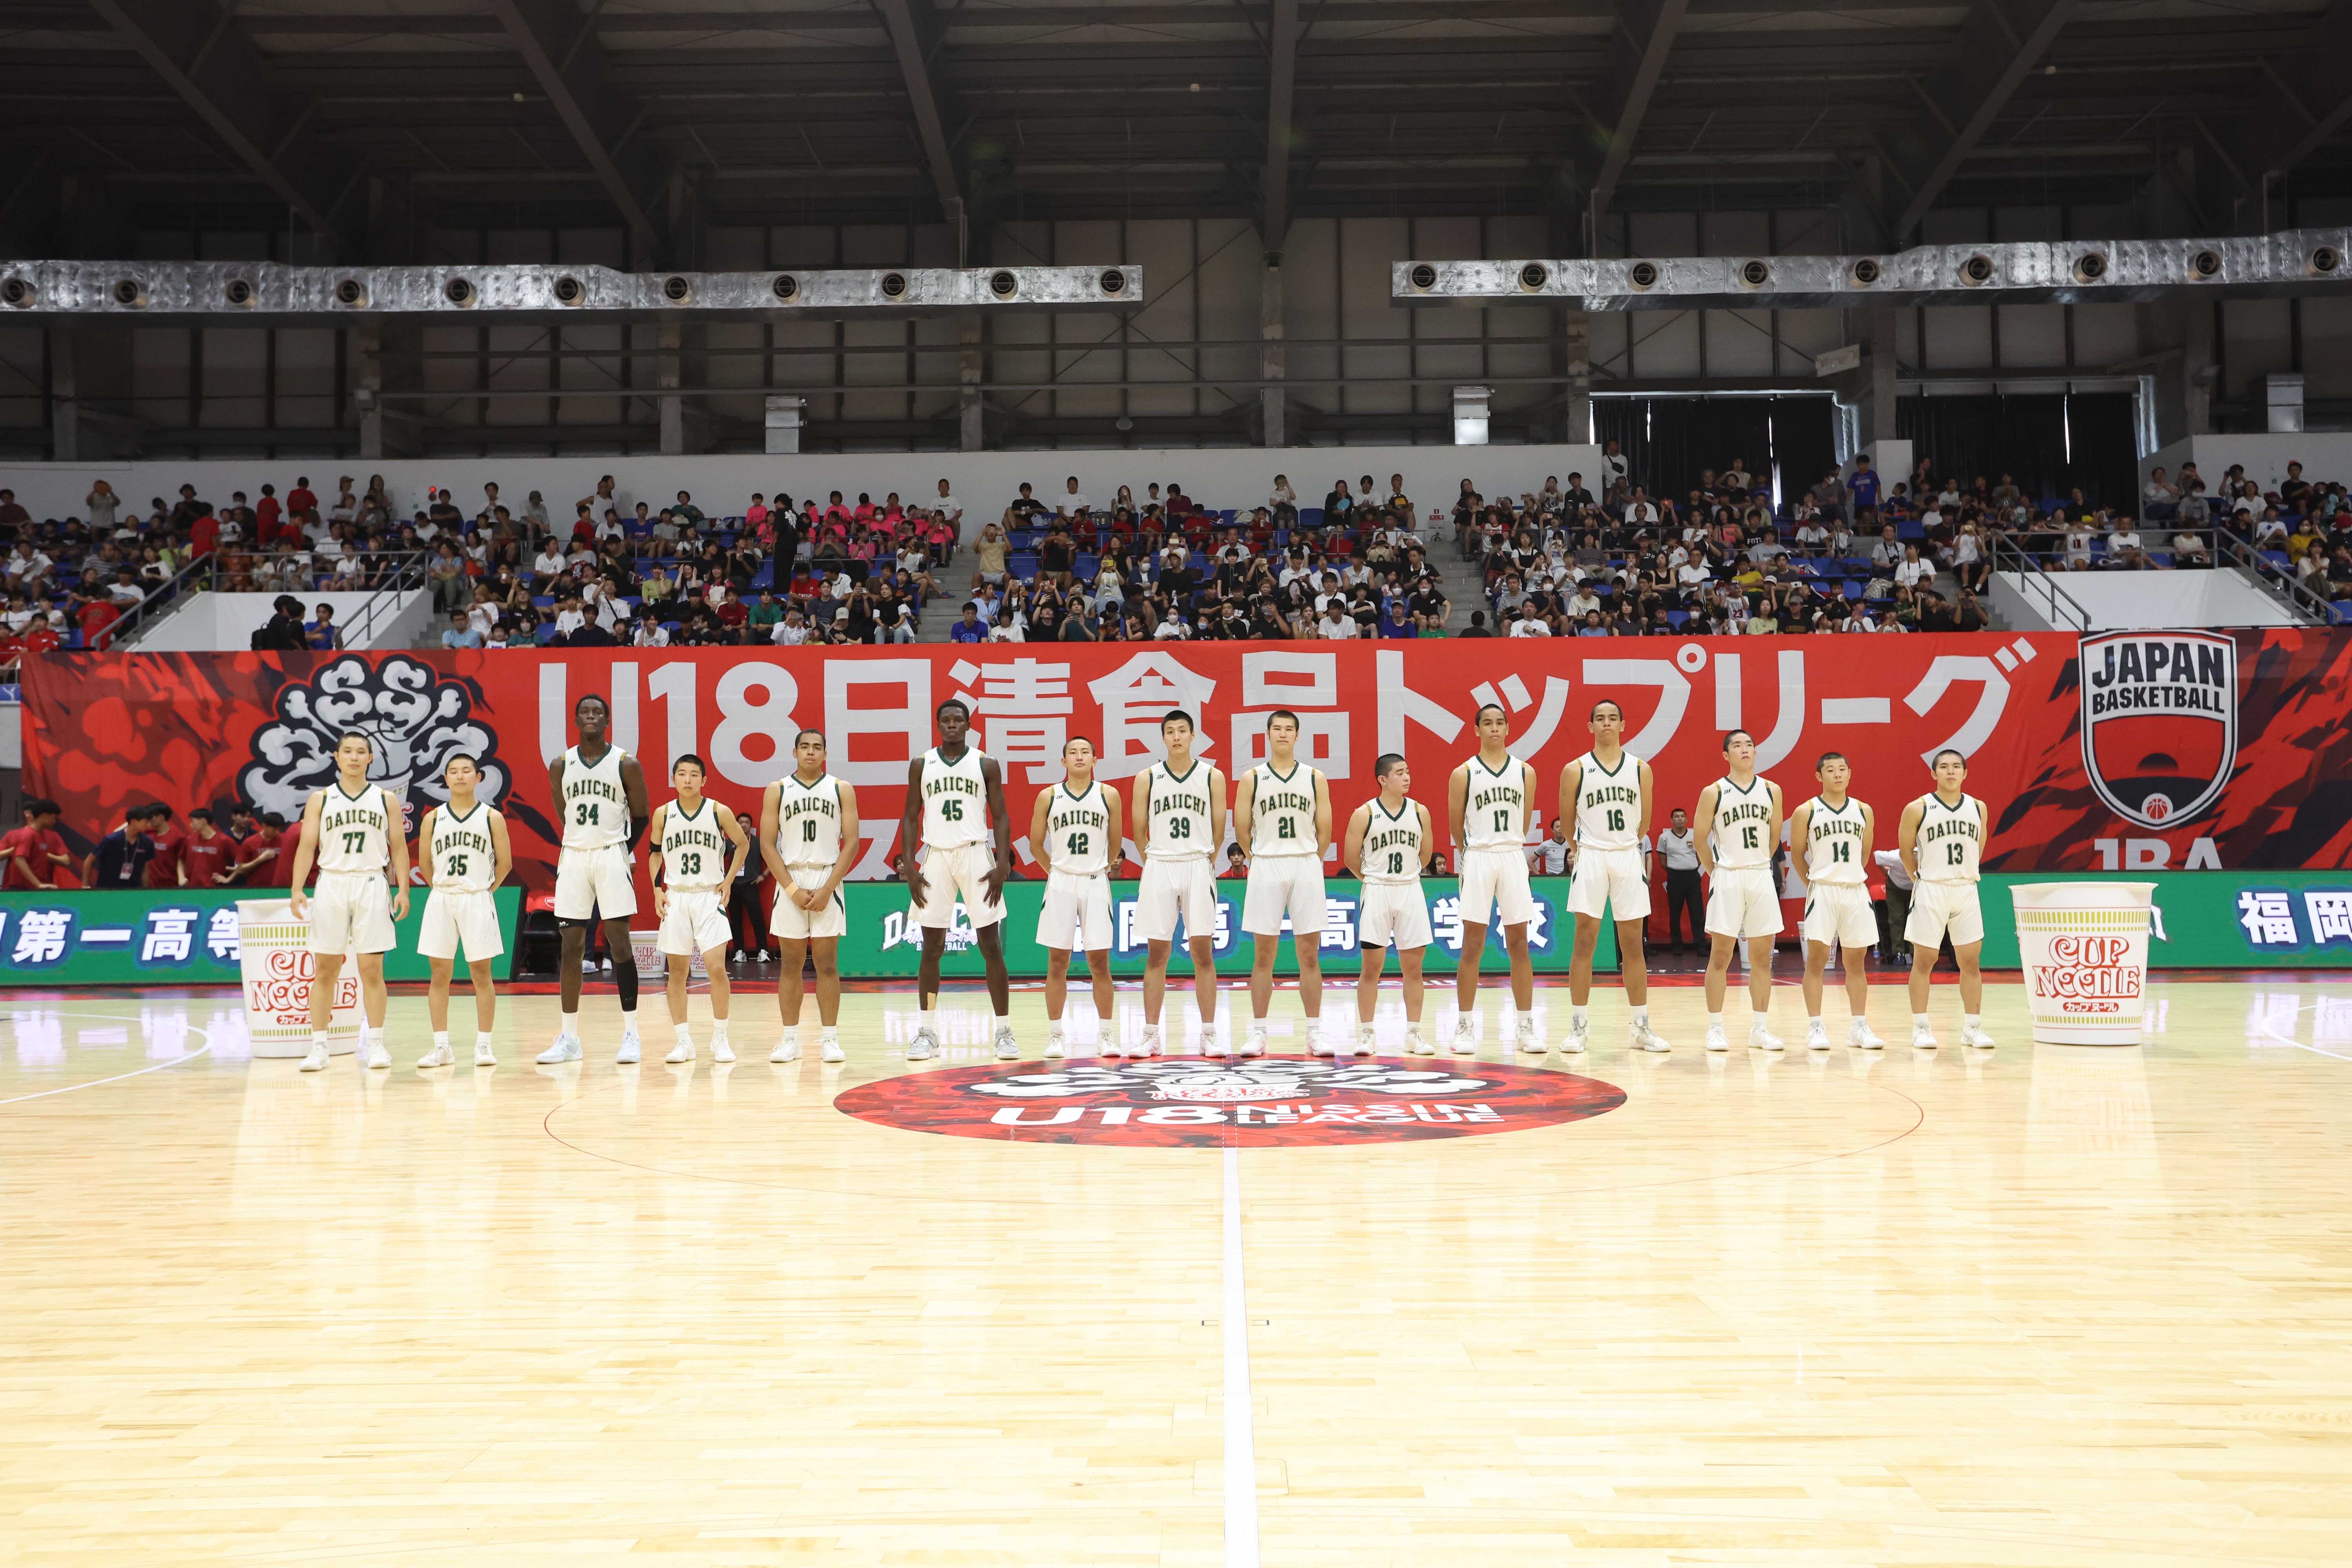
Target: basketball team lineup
x,y
957,854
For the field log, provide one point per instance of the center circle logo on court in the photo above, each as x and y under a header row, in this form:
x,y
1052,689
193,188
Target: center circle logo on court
x,y
1180,1102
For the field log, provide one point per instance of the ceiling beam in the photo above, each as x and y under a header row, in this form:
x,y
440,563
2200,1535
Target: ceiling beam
x,y
1281,82
559,46
908,41
2258,151
2001,42
1637,59
222,75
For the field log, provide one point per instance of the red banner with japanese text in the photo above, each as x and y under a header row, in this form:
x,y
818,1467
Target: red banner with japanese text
x,y
2138,750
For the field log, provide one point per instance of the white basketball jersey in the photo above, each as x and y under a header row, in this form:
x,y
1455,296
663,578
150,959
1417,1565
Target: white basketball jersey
x,y
693,849
355,831
1609,803
1950,840
1836,850
955,799
595,807
1494,807
1743,825
1179,812
1394,849
464,858
808,821
1282,811
1077,830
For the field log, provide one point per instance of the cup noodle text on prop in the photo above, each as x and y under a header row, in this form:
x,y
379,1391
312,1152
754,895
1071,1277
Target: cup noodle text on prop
x,y
274,953
2084,946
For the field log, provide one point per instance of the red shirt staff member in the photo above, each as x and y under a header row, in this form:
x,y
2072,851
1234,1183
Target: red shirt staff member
x,y
207,854
35,853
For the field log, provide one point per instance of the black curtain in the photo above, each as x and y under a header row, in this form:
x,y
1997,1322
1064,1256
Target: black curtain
x,y
2049,442
1667,441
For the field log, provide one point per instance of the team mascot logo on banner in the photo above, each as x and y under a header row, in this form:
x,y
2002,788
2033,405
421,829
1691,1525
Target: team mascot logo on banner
x,y
417,716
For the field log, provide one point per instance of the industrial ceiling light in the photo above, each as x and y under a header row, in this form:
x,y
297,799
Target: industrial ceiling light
x,y
1643,275
568,290
1866,271
1425,276
1534,276
1755,274
458,292
786,286
1113,280
678,289
894,285
1977,268
1004,284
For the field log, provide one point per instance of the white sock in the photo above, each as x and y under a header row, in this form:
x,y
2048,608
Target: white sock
x,y
1714,1020
629,1020
1968,1020
374,1035
1053,1028
1640,1015
317,1040
929,1018
830,1032
1812,1020
1918,1020
440,1040
685,1036
1577,1018
572,1023
482,1040
1003,1019
718,1030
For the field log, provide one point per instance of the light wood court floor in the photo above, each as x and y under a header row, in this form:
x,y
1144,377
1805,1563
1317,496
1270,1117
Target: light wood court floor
x,y
2036,1307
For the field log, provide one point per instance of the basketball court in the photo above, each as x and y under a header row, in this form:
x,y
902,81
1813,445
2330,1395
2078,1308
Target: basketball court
x,y
2034,1305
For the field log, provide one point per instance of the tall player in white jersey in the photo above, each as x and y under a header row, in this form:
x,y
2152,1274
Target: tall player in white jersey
x,y
1077,832
1389,841
465,856
1739,819
1178,820
1282,816
808,831
1487,800
955,801
600,809
1833,832
1942,844
1605,797
699,849
352,829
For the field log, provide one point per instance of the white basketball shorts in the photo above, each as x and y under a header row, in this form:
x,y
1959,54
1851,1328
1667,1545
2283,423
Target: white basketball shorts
x,y
1939,909
1283,885
1743,901
1075,915
1608,881
1839,913
592,884
958,872
1394,913
351,911
696,921
1172,890
1495,887
794,923
458,918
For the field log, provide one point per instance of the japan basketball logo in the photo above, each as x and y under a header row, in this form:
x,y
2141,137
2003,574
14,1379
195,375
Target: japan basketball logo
x,y
2159,722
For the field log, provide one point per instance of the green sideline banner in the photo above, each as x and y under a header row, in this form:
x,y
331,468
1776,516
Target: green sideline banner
x,y
163,936
2211,920
883,943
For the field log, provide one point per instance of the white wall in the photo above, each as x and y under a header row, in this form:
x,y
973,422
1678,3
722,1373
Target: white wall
x,y
2326,456
983,481
2148,601
227,622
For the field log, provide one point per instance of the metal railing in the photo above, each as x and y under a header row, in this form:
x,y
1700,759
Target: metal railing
x,y
242,571
2289,590
2038,585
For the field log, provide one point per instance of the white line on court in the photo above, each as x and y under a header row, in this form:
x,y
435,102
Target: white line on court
x,y
1241,1440
118,1078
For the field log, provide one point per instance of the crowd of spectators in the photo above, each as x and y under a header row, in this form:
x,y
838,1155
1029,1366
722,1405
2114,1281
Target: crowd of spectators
x,y
1849,553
